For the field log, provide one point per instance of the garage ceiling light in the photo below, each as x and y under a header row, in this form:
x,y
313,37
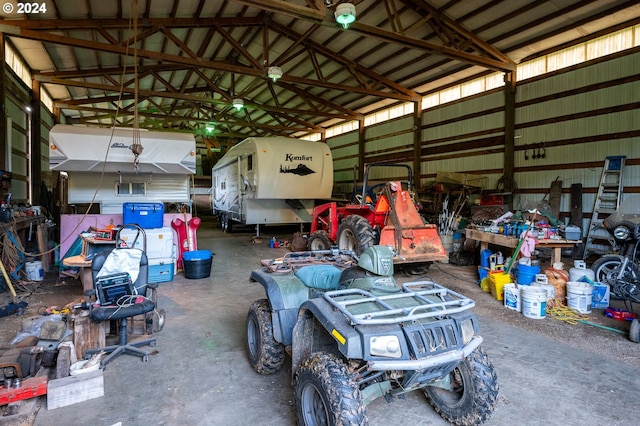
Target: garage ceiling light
x,y
274,73
345,14
238,104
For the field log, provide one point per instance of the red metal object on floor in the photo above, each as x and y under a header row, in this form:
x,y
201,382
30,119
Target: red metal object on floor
x,y
619,314
29,388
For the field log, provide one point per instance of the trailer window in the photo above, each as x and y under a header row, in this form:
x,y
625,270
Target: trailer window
x,y
250,162
131,188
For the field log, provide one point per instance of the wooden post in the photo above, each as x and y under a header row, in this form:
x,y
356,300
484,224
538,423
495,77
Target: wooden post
x,y
87,334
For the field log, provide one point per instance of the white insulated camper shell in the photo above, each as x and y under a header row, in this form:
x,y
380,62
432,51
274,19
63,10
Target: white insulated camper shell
x,y
271,180
162,174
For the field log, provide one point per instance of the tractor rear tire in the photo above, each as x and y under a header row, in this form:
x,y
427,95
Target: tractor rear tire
x,y
319,240
356,234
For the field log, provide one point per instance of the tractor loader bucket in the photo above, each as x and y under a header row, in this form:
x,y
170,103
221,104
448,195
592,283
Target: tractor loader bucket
x,y
406,232
414,244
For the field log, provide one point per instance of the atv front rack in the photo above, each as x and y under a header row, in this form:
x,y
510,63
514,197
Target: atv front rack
x,y
418,300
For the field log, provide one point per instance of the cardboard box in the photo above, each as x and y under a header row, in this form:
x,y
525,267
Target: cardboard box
x,y
600,297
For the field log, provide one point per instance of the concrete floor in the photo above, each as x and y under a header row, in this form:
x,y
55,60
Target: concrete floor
x,y
201,375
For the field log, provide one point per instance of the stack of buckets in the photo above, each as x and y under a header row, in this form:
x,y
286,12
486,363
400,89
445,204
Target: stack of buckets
x,y
524,297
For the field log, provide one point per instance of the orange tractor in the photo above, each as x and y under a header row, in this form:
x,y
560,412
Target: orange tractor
x,y
383,214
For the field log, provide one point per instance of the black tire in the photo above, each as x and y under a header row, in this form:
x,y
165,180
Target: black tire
x,y
319,240
473,394
634,331
225,223
356,234
326,395
606,269
266,355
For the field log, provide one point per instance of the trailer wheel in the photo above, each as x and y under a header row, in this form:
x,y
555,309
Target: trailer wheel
x,y
266,355
473,394
225,223
326,394
355,233
319,240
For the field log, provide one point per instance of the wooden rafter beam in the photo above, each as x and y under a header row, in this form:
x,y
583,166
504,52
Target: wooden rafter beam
x,y
311,15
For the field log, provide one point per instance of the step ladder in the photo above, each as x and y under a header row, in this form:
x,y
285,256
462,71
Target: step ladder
x,y
607,200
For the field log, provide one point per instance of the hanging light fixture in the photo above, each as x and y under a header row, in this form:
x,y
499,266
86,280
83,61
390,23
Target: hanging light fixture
x,y
238,104
345,14
274,73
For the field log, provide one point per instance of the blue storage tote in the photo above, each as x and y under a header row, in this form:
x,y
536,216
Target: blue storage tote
x,y
145,215
161,270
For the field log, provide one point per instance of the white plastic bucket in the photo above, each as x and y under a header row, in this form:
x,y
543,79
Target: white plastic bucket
x,y
579,296
35,271
512,299
534,301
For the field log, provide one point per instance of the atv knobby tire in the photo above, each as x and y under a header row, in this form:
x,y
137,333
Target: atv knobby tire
x,y
319,240
356,234
473,394
266,355
326,394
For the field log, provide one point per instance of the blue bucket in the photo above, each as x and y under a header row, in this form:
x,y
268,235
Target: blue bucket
x,y
526,274
196,255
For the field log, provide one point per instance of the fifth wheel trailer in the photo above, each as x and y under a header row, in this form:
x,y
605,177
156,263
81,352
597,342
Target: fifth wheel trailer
x,y
271,181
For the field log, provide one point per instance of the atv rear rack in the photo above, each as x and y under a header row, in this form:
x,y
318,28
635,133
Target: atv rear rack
x,y
418,300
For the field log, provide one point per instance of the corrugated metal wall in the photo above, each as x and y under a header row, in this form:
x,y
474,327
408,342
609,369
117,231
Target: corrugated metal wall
x,y
575,117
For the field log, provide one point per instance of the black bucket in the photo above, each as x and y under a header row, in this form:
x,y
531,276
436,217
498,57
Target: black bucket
x,y
197,264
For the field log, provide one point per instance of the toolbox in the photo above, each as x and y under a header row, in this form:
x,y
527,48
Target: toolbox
x,y
145,215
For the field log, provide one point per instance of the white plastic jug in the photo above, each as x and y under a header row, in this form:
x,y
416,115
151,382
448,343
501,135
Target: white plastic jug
x,y
580,270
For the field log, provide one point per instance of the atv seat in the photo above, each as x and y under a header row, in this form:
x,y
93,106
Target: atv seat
x,y
320,277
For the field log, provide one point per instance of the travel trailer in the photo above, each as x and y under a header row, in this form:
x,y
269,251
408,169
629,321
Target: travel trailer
x,y
161,174
270,181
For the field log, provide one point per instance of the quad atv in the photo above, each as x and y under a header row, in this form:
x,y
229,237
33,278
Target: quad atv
x,y
353,336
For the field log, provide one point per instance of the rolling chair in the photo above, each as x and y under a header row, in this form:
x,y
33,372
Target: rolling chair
x,y
122,311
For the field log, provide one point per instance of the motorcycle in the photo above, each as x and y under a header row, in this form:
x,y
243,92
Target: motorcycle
x,y
622,271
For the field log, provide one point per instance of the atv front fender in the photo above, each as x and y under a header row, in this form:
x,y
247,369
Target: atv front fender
x,y
285,294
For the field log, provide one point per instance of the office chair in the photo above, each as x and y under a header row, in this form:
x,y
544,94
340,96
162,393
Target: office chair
x,y
124,310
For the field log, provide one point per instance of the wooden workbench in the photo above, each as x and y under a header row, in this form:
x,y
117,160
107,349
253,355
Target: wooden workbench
x,y
511,242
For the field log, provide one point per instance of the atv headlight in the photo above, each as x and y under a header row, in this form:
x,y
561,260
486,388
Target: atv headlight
x,y
621,233
467,330
387,346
